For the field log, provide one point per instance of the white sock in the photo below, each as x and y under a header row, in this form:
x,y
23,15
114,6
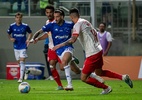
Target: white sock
x,y
68,75
93,75
22,69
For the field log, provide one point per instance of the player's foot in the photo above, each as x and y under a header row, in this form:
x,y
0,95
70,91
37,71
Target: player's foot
x,y
26,74
68,88
49,78
60,88
20,81
75,60
127,80
106,91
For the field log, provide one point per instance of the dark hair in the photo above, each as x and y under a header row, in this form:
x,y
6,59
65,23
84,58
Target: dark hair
x,y
19,14
74,10
50,7
103,24
60,11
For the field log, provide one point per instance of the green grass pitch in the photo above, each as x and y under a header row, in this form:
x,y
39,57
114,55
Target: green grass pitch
x,y
46,90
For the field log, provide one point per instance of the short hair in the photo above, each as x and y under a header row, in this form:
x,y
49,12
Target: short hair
x,y
19,14
50,7
60,11
103,24
74,10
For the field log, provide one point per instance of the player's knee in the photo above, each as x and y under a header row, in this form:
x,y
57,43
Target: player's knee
x,y
21,62
83,79
64,63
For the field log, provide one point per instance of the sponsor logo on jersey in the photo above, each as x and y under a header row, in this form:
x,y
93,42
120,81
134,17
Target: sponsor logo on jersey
x,y
19,35
61,37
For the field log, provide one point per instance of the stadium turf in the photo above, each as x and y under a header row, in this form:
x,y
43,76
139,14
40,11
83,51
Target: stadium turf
x,y
46,90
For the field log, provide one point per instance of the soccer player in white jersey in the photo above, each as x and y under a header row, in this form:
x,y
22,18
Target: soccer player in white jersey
x,y
17,34
87,36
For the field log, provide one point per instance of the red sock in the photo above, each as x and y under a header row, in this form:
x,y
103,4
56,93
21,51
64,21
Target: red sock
x,y
56,77
110,74
96,83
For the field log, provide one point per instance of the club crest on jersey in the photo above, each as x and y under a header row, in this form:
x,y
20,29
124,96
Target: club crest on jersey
x,y
56,29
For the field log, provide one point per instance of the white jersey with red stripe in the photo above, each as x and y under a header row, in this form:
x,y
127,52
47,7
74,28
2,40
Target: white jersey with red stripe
x,y
51,45
87,37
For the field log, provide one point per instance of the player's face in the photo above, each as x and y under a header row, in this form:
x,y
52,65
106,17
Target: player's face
x,y
102,27
71,18
18,19
58,18
50,14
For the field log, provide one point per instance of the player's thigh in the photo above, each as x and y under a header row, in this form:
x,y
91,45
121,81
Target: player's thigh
x,y
23,54
17,54
92,63
66,56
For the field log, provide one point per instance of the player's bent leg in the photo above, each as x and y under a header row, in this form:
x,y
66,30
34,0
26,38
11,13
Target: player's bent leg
x,y
107,73
100,79
92,81
22,70
75,60
75,68
69,79
57,79
66,58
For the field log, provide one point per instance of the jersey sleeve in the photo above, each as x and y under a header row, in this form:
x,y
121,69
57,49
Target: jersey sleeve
x,y
9,31
109,37
28,29
76,29
47,27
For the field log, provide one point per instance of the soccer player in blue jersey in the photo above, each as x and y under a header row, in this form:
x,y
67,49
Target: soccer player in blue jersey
x,y
60,32
17,34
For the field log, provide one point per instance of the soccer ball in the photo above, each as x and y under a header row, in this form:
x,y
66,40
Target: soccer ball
x,y
24,87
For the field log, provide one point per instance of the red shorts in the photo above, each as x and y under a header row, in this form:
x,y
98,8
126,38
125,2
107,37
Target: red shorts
x,y
53,56
93,62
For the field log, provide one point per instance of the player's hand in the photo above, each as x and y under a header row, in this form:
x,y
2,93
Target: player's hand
x,y
27,42
33,41
12,39
56,47
36,40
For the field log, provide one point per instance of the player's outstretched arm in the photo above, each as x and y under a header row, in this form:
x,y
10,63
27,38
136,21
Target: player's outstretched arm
x,y
28,39
37,34
68,42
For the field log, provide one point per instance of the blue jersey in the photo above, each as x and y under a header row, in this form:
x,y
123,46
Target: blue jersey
x,y
19,33
59,34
